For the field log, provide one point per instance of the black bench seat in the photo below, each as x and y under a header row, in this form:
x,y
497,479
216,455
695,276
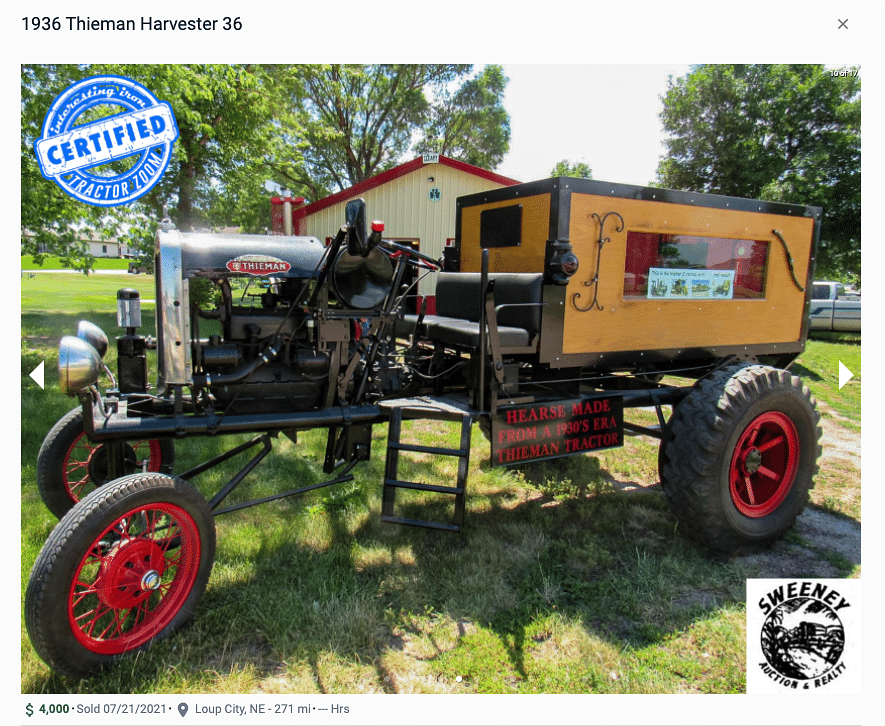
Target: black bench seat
x,y
466,333
517,298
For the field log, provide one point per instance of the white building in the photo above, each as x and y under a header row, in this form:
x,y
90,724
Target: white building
x,y
98,247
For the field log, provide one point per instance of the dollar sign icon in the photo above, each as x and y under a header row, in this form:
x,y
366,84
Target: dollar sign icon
x,y
29,710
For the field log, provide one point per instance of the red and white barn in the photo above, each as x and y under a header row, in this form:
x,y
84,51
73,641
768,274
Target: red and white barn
x,y
415,200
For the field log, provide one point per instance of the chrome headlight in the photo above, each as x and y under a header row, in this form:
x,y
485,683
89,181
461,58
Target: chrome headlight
x,y
79,365
93,335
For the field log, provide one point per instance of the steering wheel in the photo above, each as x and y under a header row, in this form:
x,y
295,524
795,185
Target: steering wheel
x,y
414,257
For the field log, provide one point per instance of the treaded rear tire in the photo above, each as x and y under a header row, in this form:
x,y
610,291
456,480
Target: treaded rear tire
x,y
126,566
742,456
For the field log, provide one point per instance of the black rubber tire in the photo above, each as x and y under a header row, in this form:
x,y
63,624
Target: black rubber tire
x,y
666,438
54,481
744,428
83,581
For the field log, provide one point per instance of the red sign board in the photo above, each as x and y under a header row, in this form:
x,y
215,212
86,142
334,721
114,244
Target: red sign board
x,y
539,431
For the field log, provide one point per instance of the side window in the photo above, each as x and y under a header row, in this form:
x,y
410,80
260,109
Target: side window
x,y
678,266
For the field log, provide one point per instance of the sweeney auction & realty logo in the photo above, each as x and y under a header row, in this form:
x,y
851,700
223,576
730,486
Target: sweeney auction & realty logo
x,y
100,155
802,636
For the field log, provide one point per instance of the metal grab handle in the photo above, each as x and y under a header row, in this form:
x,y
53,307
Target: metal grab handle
x,y
789,259
516,305
601,240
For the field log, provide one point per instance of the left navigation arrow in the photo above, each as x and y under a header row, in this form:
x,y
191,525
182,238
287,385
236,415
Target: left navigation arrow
x,y
37,375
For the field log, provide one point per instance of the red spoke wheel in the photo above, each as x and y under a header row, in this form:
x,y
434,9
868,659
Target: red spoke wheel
x,y
740,457
764,464
69,465
126,566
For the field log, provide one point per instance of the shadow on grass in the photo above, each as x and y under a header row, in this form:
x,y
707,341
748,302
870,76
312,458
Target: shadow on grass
x,y
806,373
835,337
321,579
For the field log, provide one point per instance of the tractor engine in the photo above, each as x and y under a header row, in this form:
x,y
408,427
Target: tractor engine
x,y
292,381
252,324
253,347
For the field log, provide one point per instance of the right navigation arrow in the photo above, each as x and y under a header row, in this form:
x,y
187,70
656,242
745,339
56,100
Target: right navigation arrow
x,y
845,375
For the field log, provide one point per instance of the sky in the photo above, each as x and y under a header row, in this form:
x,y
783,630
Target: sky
x,y
603,115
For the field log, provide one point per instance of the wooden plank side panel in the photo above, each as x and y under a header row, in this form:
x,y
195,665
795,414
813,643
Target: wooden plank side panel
x,y
628,324
528,256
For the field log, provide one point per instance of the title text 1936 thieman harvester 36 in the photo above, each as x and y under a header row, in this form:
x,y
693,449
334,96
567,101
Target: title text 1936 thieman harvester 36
x,y
546,357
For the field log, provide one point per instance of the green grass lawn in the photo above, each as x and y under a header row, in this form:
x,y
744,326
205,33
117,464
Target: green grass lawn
x,y
569,578
819,368
72,294
54,263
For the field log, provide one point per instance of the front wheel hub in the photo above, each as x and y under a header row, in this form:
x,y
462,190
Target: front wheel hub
x,y
150,580
130,573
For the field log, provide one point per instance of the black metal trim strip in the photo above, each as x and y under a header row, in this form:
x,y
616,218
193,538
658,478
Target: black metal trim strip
x,y
100,428
631,360
628,191
809,282
789,257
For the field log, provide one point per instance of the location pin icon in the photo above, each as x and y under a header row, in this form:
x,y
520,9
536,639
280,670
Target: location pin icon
x,y
182,708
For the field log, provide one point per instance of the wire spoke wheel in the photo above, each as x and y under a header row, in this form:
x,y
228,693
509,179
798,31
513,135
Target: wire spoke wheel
x,y
70,466
134,579
86,464
126,566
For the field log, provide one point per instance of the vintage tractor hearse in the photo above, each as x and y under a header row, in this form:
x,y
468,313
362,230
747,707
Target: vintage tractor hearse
x,y
561,304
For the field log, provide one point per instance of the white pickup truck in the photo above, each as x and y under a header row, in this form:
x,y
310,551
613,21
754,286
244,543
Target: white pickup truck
x,y
834,308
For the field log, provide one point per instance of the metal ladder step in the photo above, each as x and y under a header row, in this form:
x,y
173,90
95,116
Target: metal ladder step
x,y
421,487
426,449
421,523
392,481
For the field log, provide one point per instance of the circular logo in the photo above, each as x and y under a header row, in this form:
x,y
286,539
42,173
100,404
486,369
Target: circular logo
x,y
106,140
803,638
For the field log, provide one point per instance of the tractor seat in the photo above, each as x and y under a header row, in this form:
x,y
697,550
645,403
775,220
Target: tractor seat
x,y
458,301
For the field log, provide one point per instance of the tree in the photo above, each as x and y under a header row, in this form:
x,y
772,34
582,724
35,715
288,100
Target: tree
x,y
778,132
576,170
316,128
359,120
50,219
226,116
471,123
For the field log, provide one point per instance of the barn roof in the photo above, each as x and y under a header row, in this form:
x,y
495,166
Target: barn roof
x,y
398,171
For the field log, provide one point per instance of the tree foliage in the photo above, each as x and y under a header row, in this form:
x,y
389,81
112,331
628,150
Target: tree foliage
x,y
318,129
360,120
50,219
224,115
576,170
778,132
470,124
